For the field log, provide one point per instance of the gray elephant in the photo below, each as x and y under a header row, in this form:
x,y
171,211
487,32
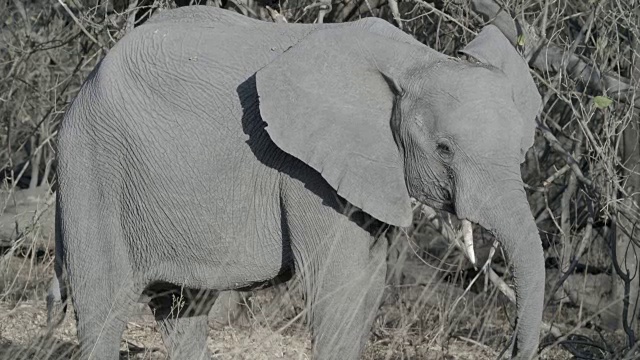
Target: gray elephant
x,y
209,151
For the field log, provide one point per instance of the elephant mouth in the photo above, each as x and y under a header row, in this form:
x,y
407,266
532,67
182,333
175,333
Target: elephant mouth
x,y
445,205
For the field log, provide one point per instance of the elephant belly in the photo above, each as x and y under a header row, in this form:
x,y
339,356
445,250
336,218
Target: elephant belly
x,y
243,272
220,232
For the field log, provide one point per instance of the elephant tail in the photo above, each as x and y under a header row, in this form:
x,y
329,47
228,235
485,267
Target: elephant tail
x,y
57,294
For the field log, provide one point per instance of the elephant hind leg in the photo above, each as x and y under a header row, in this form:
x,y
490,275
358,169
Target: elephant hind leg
x,y
102,307
100,281
182,316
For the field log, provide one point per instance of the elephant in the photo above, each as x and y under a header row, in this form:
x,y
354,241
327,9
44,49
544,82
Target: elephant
x,y
252,151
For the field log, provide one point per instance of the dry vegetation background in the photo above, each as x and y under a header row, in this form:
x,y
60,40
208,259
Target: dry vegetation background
x,y
582,176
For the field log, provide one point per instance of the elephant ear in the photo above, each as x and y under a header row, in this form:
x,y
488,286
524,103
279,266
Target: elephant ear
x,y
326,101
491,47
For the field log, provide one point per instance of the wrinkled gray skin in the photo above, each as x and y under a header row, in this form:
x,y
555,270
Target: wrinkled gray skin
x,y
212,151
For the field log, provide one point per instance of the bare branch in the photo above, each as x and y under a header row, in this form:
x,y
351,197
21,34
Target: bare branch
x,y
548,57
84,30
276,16
393,6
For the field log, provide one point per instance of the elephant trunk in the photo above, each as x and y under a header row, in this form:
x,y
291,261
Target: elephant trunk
x,y
506,213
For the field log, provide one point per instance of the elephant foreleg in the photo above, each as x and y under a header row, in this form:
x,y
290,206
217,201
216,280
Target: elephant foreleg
x,y
344,291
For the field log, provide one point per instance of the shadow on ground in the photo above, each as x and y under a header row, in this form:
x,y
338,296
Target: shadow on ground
x,y
43,348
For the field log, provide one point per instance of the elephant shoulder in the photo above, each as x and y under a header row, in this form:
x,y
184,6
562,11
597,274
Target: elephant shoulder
x,y
384,28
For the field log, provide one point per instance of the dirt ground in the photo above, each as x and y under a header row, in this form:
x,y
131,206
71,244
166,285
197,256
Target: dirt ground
x,y
23,336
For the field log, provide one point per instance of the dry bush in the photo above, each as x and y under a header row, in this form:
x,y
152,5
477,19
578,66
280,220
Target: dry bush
x,y
581,175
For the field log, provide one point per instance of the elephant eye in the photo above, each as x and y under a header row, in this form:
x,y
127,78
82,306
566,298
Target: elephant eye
x,y
445,148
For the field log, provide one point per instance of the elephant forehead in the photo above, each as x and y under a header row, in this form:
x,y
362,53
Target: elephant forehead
x,y
467,91
487,88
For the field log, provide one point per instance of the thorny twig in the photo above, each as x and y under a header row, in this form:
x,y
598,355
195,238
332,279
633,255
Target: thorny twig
x,y
575,258
548,57
77,21
573,164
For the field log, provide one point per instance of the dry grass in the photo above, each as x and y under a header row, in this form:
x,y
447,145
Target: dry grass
x,y
415,321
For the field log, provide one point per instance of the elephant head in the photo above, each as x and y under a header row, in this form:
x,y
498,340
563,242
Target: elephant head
x,y
384,119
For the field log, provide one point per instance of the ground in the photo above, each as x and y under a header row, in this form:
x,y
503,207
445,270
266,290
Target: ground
x,y
414,322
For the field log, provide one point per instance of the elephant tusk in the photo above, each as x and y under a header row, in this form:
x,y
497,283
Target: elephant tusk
x,y
467,230
467,239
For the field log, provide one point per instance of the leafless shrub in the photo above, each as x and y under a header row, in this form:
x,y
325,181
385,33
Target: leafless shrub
x,y
582,173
